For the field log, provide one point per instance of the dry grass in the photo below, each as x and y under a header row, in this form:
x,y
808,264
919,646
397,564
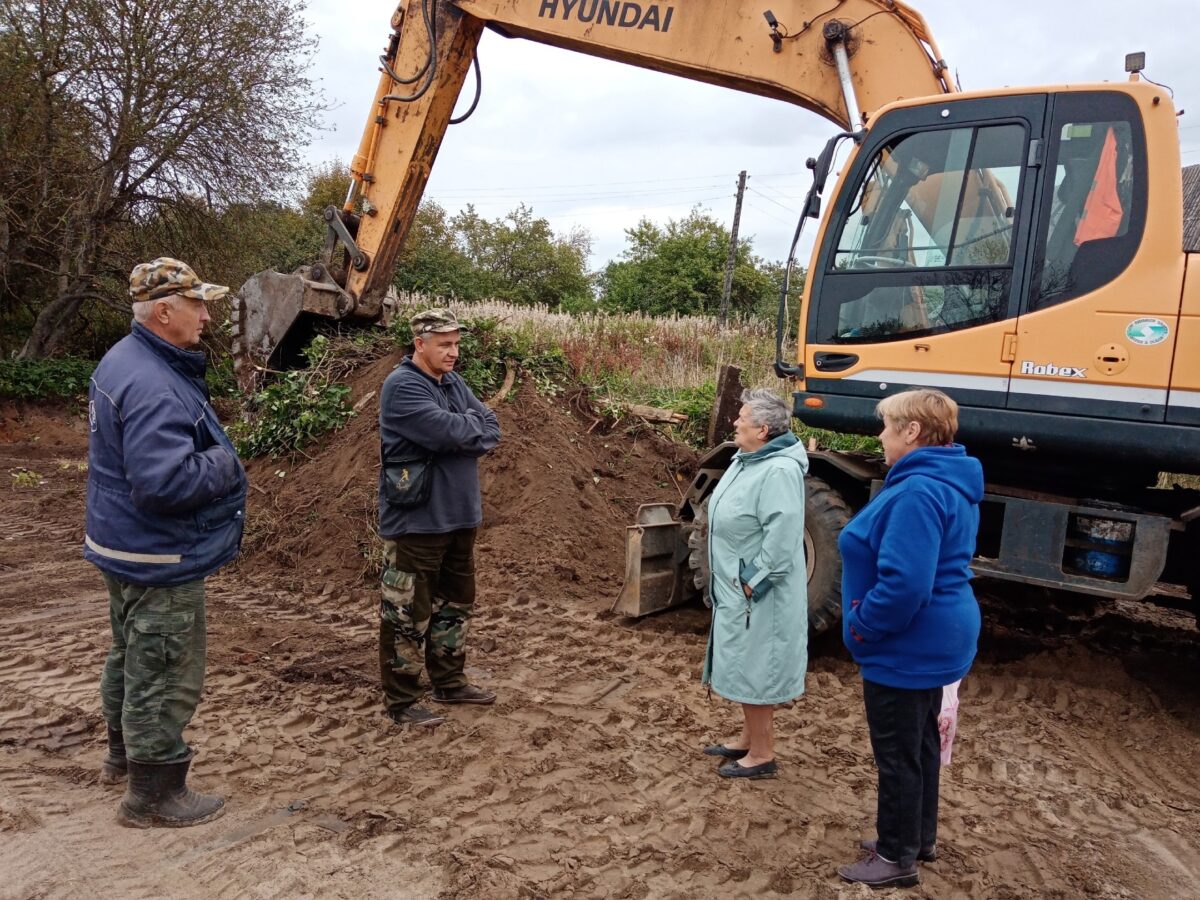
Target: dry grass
x,y
632,354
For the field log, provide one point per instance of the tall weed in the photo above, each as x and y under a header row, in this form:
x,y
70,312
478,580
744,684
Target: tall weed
x,y
621,358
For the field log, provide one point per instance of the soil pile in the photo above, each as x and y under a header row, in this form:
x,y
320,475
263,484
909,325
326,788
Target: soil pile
x,y
558,493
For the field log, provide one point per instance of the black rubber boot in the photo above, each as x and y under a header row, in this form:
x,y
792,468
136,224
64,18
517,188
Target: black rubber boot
x,y
158,797
114,768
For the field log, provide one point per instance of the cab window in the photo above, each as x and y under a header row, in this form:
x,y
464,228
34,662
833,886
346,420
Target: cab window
x,y
927,245
1093,208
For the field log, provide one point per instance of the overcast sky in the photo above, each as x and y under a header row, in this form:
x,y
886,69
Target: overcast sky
x,y
600,145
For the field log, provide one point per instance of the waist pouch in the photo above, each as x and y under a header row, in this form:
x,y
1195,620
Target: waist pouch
x,y
407,480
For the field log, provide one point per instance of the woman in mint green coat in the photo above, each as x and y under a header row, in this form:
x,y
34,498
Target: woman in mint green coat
x,y
758,645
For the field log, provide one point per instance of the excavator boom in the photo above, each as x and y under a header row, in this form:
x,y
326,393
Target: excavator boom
x,y
833,57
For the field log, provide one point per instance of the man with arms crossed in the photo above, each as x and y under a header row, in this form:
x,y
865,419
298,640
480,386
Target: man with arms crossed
x,y
432,432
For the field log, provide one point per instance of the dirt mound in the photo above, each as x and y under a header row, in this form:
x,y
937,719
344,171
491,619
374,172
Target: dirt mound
x,y
46,431
558,493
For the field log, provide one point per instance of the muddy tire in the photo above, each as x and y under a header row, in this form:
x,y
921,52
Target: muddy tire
x,y
825,515
698,553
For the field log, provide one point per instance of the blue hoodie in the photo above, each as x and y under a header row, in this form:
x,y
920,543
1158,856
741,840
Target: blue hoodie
x,y
909,616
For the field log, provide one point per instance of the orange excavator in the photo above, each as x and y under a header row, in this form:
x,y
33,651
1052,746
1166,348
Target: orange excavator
x,y
1024,249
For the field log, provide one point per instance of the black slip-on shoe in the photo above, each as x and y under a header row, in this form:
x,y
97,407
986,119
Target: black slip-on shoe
x,y
734,769
724,752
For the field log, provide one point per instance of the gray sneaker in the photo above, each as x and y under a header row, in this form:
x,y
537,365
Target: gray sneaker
x,y
416,715
925,854
875,871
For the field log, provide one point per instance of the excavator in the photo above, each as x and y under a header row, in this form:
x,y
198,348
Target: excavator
x,y
1034,252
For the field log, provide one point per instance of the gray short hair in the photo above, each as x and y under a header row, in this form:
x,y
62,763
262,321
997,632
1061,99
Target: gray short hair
x,y
768,408
142,309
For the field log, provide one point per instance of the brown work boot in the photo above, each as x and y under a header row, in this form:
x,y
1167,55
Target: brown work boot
x,y
114,768
416,715
875,871
468,693
925,854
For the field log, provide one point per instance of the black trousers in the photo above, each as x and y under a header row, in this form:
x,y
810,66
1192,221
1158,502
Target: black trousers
x,y
907,748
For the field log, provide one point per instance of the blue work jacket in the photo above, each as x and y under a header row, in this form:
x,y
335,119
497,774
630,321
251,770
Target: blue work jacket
x,y
166,492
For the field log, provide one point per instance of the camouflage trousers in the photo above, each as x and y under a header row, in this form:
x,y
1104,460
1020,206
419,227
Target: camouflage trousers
x,y
428,595
155,668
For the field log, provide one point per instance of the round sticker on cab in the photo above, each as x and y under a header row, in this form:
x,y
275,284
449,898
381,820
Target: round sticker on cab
x,y
1147,331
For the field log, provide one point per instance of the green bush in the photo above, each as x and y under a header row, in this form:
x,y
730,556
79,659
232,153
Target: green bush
x,y
221,379
487,348
42,379
295,409
694,402
289,413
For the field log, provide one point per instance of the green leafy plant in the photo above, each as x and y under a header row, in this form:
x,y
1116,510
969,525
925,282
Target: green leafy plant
x,y
295,409
42,379
26,478
290,413
489,346
694,402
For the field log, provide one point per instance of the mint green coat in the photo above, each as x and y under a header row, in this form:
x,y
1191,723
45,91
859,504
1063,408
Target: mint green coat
x,y
756,538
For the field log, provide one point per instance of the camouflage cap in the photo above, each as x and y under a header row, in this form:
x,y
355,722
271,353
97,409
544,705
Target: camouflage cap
x,y
438,319
165,276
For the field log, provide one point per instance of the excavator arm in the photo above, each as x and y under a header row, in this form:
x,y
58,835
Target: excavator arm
x,y
833,57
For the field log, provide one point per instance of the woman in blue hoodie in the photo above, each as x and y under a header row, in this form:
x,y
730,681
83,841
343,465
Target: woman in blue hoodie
x,y
910,619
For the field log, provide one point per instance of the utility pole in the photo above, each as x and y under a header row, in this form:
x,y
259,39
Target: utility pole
x,y
737,217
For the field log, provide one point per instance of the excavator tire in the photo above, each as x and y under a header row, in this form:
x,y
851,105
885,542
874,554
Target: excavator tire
x,y
825,515
698,553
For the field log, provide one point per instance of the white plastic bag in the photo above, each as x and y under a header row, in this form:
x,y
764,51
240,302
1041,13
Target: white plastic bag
x,y
948,720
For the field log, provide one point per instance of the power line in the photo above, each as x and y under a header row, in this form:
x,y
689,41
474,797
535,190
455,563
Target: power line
x,y
773,200
768,214
605,212
589,184
569,198
783,192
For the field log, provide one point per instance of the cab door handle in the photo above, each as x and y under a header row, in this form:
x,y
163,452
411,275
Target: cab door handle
x,y
834,362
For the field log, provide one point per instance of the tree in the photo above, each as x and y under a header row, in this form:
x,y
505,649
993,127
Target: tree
x,y
433,261
138,107
518,258
680,268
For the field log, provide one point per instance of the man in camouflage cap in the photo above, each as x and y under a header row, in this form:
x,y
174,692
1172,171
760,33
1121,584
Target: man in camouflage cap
x,y
438,320
165,506
165,276
432,431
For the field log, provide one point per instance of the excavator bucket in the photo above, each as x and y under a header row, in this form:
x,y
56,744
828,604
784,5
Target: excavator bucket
x,y
655,562
264,311
661,568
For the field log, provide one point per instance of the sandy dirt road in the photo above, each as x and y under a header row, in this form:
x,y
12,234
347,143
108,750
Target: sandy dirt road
x,y
1075,773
